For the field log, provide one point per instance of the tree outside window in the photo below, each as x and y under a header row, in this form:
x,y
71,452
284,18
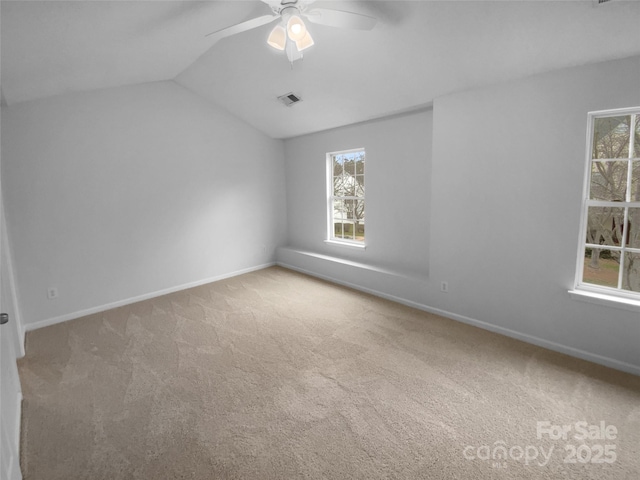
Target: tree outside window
x,y
346,207
610,244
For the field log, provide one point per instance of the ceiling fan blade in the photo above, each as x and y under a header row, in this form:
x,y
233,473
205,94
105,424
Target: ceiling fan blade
x,y
242,27
339,18
278,4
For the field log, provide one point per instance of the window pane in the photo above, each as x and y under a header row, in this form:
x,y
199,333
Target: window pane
x,y
346,183
636,152
348,230
338,210
339,187
358,210
348,205
337,167
349,216
635,180
611,137
349,166
604,225
601,267
351,186
360,163
631,272
609,181
633,236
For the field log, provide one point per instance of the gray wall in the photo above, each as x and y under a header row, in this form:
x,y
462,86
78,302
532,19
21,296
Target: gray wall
x,y
508,170
121,193
398,162
499,205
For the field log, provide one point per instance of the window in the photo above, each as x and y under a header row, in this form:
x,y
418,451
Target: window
x,y
345,186
609,251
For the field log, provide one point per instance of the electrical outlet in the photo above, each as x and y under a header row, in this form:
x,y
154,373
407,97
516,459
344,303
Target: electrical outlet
x,y
444,287
52,292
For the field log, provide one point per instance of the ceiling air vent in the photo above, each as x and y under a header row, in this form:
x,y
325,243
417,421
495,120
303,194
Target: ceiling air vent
x,y
289,99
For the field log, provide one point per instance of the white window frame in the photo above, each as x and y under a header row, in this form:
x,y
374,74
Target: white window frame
x,y
331,238
588,291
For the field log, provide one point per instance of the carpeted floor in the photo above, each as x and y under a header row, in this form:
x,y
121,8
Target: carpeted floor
x,y
275,375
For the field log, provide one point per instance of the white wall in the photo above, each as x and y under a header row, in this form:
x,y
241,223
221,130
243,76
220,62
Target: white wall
x,y
499,208
8,293
120,193
398,162
11,347
508,166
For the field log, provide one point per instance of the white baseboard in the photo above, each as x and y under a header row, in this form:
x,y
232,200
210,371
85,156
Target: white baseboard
x,y
556,347
120,303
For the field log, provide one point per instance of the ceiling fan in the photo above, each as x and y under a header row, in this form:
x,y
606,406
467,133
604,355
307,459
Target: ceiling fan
x,y
291,34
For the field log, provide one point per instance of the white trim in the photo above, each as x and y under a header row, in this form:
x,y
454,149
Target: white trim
x,y
108,306
345,152
364,266
556,347
345,243
608,292
634,158
331,238
604,203
607,300
616,111
13,292
586,291
615,248
583,203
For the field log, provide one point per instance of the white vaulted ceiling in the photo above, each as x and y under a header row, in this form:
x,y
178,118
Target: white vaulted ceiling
x,y
54,47
418,51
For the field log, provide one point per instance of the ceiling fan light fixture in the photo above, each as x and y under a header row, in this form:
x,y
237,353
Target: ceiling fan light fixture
x,y
291,34
278,37
296,28
305,42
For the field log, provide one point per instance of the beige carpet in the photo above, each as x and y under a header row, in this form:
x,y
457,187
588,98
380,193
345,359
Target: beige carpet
x,y
275,375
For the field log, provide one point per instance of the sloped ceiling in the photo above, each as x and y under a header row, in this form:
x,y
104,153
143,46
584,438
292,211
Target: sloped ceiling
x,y
418,51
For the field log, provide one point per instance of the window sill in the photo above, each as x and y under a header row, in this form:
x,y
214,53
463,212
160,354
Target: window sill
x,y
606,300
346,244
